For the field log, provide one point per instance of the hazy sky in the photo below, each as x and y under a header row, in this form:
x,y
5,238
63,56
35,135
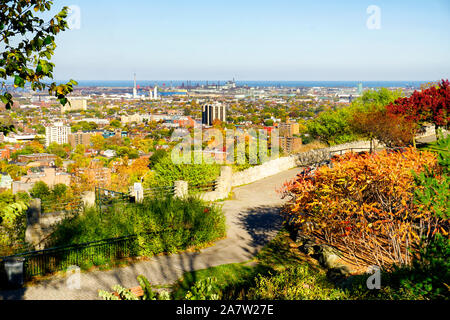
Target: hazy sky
x,y
255,40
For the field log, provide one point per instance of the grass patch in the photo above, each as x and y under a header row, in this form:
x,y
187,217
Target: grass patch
x,y
243,280
229,278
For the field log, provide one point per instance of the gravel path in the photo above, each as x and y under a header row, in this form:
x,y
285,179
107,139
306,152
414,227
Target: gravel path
x,y
252,221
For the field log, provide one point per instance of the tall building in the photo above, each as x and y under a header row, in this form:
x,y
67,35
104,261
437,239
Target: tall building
x,y
58,133
80,137
288,129
155,93
211,112
134,88
290,145
288,141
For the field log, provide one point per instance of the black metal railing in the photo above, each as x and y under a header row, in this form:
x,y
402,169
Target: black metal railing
x,y
72,206
47,261
205,187
105,197
154,192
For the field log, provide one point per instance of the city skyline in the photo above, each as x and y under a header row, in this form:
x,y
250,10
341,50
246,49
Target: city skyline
x,y
268,40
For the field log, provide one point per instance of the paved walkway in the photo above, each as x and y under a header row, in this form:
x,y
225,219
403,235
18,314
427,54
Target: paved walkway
x,y
252,221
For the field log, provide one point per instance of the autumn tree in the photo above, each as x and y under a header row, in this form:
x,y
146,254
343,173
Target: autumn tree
x,y
98,141
428,105
389,129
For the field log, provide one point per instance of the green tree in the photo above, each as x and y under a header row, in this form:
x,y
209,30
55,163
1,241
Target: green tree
x,y
375,100
61,150
59,190
28,43
40,129
166,172
332,127
12,221
115,123
157,156
40,190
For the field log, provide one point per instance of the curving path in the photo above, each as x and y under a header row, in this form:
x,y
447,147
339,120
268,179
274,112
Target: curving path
x,y
252,221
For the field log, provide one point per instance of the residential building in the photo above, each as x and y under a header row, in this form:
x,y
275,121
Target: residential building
x,y
44,159
74,105
58,133
50,175
131,118
211,112
290,145
80,137
288,129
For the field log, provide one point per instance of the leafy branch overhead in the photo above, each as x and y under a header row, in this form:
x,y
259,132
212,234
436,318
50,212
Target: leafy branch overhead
x,y
28,44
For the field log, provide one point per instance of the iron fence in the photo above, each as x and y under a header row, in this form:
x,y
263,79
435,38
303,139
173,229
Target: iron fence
x,y
106,198
159,191
48,261
72,206
206,187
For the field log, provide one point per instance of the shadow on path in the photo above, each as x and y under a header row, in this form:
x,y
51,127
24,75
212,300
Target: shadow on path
x,y
262,223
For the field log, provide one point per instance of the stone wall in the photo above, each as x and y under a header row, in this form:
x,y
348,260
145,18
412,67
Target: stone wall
x,y
278,165
223,187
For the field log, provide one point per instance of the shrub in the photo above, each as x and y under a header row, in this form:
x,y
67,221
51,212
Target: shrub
x,y
13,222
166,172
204,289
161,225
364,205
295,283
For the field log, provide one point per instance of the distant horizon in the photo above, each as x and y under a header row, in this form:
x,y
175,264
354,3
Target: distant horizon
x,y
254,83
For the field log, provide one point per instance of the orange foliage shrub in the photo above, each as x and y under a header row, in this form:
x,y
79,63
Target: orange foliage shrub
x,y
363,204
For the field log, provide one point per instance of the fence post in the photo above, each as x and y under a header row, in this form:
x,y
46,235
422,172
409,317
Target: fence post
x,y
88,198
138,192
180,189
224,180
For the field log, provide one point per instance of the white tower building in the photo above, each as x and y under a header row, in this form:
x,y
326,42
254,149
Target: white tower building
x,y
134,88
155,93
58,133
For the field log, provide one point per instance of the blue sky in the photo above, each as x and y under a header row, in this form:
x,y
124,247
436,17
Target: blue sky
x,y
255,40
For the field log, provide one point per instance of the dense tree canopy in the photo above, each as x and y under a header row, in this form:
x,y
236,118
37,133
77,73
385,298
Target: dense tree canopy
x,y
428,105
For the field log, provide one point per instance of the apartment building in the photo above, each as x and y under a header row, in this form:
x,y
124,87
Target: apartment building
x,y
211,112
58,132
